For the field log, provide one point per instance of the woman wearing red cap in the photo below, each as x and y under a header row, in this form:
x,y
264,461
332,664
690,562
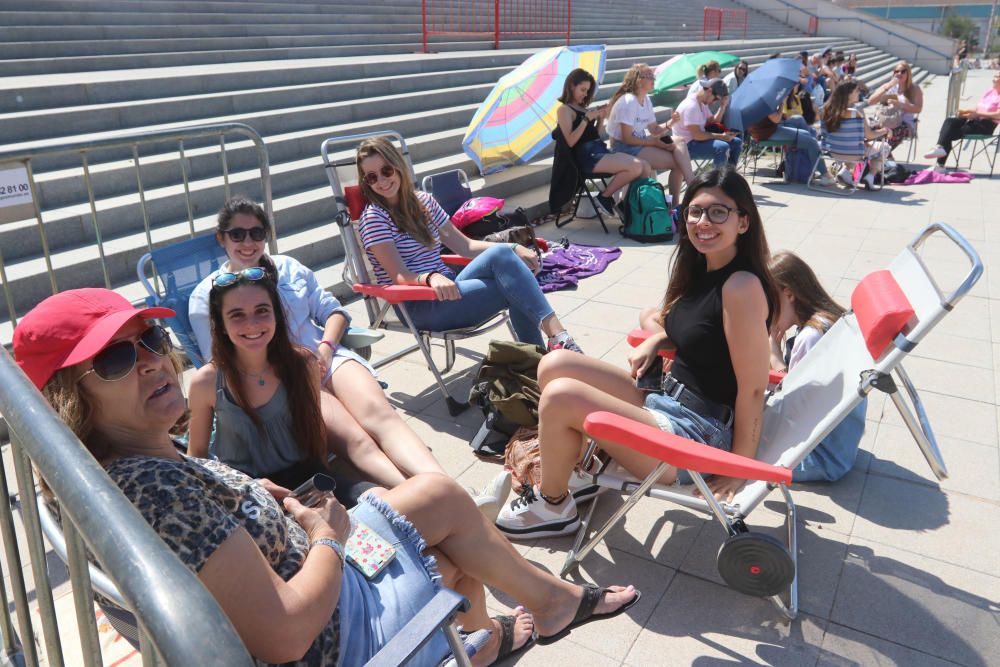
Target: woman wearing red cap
x,y
280,578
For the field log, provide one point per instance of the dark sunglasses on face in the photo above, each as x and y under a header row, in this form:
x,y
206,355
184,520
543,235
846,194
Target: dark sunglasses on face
x,y
117,360
253,274
717,213
237,234
387,171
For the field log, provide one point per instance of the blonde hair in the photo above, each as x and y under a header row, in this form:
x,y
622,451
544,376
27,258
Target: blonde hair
x,y
710,66
409,215
910,86
630,82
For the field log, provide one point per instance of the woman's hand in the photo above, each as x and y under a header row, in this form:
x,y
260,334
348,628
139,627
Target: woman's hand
x,y
328,520
528,256
641,357
444,287
324,355
279,493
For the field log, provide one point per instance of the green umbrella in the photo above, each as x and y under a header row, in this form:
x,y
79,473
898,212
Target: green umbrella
x,y
683,68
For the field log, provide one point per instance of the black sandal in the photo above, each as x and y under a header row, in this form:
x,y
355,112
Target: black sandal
x,y
585,612
507,638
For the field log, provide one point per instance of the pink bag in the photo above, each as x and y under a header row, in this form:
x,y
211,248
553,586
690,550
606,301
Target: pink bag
x,y
475,210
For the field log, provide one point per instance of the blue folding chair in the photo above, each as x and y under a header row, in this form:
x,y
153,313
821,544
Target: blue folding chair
x,y
451,189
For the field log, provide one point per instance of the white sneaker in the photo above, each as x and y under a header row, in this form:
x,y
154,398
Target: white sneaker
x,y
582,487
936,153
940,169
826,180
530,516
846,177
493,496
869,181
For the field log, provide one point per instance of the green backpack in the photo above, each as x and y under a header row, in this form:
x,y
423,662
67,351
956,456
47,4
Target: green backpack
x,y
647,216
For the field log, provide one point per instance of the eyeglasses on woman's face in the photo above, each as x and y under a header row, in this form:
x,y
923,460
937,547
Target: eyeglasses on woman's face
x,y
717,213
386,171
253,274
238,234
649,76
117,360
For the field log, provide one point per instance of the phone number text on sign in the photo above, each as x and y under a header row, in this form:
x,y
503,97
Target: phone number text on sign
x,y
14,187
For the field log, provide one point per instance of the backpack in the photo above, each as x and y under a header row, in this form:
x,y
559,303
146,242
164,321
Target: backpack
x,y
647,216
506,390
797,167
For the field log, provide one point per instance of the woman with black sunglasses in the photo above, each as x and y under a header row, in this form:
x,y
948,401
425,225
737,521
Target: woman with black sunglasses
x,y
276,567
716,315
362,426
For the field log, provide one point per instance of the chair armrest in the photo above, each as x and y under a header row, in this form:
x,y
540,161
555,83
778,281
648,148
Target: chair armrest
x,y
455,260
637,336
680,452
437,613
396,293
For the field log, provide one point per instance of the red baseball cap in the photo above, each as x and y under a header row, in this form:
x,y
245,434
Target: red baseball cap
x,y
70,327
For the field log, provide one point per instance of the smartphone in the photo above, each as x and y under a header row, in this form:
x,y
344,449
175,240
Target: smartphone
x,y
652,378
314,490
367,551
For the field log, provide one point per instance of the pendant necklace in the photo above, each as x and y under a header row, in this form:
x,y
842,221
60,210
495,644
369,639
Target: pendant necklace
x,y
259,376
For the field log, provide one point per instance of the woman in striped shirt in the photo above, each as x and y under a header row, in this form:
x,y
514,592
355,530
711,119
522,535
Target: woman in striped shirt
x,y
402,231
848,132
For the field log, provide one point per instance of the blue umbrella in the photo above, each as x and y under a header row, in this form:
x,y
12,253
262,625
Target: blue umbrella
x,y
761,92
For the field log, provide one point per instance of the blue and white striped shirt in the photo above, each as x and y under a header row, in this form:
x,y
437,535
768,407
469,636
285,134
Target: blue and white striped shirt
x,y
376,226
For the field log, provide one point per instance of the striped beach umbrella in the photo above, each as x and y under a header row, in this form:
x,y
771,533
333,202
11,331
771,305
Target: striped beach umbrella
x,y
516,120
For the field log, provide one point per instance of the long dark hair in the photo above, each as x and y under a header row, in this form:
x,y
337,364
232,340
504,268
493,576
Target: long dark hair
x,y
837,105
574,79
240,204
813,305
287,361
688,265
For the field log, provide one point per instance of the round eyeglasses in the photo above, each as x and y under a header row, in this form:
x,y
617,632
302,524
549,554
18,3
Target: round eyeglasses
x,y
117,360
717,213
237,234
253,274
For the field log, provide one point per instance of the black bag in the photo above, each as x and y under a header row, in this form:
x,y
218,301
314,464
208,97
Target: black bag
x,y
896,173
507,392
496,222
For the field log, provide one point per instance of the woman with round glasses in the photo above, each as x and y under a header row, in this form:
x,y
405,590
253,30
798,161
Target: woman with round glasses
x,y
902,93
402,231
276,567
362,426
716,316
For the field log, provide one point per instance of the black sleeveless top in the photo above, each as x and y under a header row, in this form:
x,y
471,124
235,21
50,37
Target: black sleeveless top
x,y
590,133
694,325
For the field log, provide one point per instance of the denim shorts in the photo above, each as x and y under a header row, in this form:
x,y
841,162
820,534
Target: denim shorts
x,y
590,153
675,418
373,611
622,147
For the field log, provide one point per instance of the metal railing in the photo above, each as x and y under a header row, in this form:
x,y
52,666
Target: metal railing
x,y
956,87
495,19
19,165
179,621
715,22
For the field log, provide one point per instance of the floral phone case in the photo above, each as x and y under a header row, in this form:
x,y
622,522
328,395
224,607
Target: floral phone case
x,y
367,551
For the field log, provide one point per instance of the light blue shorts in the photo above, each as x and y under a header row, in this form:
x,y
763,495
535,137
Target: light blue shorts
x,y
622,147
373,611
675,418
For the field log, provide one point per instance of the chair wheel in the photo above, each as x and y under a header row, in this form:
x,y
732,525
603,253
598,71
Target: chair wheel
x,y
756,564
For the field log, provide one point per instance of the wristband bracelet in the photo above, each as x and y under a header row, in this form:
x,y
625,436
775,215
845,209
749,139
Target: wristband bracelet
x,y
326,342
427,279
333,544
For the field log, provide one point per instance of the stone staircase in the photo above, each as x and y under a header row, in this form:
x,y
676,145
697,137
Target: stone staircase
x,y
297,72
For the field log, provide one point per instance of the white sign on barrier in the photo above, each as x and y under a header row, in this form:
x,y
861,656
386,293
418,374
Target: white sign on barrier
x,y
15,192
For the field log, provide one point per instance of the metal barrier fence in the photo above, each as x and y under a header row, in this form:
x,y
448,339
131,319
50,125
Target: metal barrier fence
x,y
716,20
956,86
179,621
495,18
24,201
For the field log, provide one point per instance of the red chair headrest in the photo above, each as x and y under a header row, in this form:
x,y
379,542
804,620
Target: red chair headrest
x,y
356,201
882,310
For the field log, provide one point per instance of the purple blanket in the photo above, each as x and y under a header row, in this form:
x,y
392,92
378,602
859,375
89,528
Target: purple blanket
x,y
564,267
930,176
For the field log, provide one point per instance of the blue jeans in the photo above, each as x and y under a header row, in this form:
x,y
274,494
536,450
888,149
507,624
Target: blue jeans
x,y
834,456
678,419
718,150
796,131
494,281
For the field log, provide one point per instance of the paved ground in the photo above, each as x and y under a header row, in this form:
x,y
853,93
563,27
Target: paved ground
x,y
895,568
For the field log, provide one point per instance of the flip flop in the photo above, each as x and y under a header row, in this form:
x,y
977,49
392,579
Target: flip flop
x,y
507,638
585,612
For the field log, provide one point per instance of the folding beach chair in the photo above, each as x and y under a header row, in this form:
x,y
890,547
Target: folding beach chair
x,y
892,311
381,299
846,145
584,182
755,149
451,189
980,145
437,614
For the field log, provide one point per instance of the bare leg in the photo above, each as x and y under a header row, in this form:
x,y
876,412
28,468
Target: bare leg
x,y
683,159
479,551
362,396
551,326
624,167
662,159
348,439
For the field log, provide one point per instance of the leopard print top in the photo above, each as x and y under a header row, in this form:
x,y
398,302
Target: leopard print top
x,y
195,504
